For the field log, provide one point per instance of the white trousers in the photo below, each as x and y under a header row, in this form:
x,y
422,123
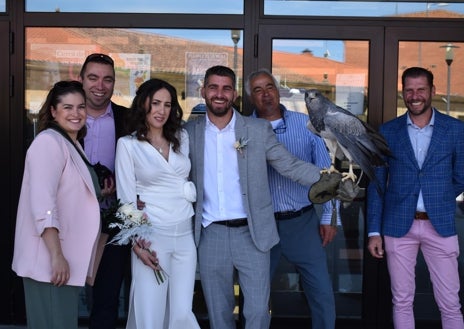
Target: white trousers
x,y
149,301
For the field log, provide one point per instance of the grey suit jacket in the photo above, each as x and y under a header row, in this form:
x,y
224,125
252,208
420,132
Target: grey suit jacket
x,y
262,147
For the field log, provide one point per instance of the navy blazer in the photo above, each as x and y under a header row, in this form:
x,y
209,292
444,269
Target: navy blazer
x,y
120,114
441,179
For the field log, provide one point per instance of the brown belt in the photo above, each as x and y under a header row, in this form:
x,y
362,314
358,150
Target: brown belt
x,y
421,215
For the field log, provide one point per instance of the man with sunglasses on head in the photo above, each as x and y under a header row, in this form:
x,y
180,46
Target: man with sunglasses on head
x,y
302,236
105,124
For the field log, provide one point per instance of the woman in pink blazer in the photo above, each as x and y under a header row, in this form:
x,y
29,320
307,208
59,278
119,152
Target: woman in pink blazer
x,y
58,218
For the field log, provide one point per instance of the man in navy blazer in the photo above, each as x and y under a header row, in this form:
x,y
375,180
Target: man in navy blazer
x,y
424,176
105,124
234,215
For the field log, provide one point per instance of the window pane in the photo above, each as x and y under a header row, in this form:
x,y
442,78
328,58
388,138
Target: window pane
x,y
2,6
138,6
338,68
179,56
449,97
364,8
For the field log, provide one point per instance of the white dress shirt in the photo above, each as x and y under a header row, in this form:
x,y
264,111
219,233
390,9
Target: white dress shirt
x,y
222,190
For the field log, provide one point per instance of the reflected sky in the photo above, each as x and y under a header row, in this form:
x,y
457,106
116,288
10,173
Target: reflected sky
x,y
271,7
217,37
333,49
321,48
355,8
138,6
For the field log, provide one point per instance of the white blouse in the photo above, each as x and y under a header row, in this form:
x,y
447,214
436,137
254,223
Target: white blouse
x,y
163,185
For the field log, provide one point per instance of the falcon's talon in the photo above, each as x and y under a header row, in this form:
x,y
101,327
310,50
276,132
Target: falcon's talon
x,y
347,175
329,171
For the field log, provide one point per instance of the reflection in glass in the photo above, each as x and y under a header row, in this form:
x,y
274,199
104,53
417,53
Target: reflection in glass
x,y
138,6
448,80
339,69
178,56
33,117
363,8
449,97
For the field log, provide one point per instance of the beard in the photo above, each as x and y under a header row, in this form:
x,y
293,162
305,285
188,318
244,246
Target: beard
x,y
219,111
414,111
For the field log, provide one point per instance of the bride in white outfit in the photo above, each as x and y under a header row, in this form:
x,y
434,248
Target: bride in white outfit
x,y
153,163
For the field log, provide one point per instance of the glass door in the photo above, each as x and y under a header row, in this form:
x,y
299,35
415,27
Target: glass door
x,y
7,197
365,64
180,57
342,63
442,52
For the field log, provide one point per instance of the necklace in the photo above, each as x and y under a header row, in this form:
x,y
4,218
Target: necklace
x,y
158,141
158,147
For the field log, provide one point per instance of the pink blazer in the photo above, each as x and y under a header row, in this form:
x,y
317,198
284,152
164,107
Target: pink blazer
x,y
57,191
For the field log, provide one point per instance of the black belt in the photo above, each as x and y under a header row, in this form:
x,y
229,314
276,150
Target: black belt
x,y
233,222
284,215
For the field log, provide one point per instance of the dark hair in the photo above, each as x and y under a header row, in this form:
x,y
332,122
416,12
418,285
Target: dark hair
x,y
220,70
137,119
59,89
96,58
415,72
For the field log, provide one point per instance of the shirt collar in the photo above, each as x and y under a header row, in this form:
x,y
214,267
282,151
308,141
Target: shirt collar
x,y
108,112
229,126
283,111
431,122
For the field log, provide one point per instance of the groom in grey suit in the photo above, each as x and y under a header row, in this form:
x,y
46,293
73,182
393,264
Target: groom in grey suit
x,y
234,216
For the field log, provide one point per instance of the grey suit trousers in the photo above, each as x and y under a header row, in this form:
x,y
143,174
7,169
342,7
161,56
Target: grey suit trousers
x,y
221,251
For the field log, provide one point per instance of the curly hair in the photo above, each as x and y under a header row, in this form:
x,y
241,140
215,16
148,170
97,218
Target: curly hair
x,y
137,119
59,89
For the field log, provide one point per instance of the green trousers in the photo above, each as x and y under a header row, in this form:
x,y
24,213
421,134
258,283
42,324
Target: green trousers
x,y
50,307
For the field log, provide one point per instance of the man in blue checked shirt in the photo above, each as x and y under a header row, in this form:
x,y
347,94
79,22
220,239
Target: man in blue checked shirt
x,y
302,236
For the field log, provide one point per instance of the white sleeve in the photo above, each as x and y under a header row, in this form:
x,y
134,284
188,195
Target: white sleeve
x,y
125,171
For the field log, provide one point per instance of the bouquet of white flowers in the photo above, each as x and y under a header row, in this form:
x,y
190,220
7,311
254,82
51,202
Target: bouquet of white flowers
x,y
134,225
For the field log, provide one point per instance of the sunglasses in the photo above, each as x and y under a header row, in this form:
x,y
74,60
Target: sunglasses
x,y
68,84
99,58
282,127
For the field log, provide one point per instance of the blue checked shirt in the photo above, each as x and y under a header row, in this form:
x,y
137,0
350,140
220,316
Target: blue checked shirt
x,y
288,195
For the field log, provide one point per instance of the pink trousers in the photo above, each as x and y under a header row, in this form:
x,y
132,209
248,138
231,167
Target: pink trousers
x,y
441,255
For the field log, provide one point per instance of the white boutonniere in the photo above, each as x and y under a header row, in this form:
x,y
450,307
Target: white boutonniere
x,y
241,144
